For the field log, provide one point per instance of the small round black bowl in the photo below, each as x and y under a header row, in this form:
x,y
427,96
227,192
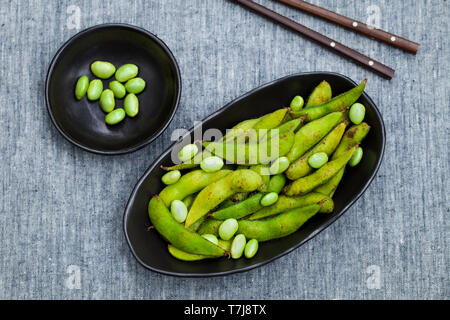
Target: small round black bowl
x,y
150,249
83,122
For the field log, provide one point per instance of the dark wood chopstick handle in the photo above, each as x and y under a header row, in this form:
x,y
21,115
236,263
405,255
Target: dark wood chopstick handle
x,y
355,25
329,43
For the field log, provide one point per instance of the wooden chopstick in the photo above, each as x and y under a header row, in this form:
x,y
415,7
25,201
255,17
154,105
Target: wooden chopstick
x,y
329,43
355,25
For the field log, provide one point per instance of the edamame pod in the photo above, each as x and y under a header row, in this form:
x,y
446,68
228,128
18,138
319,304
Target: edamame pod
x,y
126,72
131,105
107,102
118,89
215,193
189,183
300,167
286,203
271,120
81,87
103,69
322,175
176,234
115,116
264,152
189,200
95,89
338,103
240,209
210,226
279,226
352,136
277,183
184,256
263,171
311,133
321,94
135,85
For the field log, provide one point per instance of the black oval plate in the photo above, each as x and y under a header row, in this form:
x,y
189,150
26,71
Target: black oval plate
x,y
151,250
83,122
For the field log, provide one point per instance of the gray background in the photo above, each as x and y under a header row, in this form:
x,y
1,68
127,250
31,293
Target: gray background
x,y
62,206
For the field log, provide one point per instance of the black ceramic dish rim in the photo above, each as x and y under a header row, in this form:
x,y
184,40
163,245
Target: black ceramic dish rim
x,y
312,235
114,25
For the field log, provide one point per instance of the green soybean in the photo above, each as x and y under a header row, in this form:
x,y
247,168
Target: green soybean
x,y
211,237
211,164
277,183
280,165
95,89
180,237
279,226
251,248
171,177
135,85
190,183
178,210
228,228
187,152
131,105
107,102
269,199
118,89
297,103
357,156
317,160
240,209
238,246
103,69
320,94
357,113
286,203
115,116
81,87
126,72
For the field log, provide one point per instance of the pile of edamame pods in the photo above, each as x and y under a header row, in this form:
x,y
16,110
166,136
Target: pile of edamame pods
x,y
132,86
221,206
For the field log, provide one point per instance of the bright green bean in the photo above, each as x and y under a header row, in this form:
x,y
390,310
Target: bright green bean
x,y
187,152
297,103
95,89
211,237
357,113
178,210
357,156
126,72
131,105
238,246
103,69
211,164
81,87
115,116
171,177
118,89
135,85
317,160
107,102
251,248
280,165
269,199
228,228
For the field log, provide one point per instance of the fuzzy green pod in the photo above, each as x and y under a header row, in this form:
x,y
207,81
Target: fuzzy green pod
x,y
190,183
180,237
135,85
81,87
115,116
240,209
279,226
338,103
118,89
126,72
95,89
322,175
103,69
107,101
185,256
131,105
286,203
215,193
277,183
321,94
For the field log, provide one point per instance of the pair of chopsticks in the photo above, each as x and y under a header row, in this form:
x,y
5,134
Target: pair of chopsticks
x,y
329,43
